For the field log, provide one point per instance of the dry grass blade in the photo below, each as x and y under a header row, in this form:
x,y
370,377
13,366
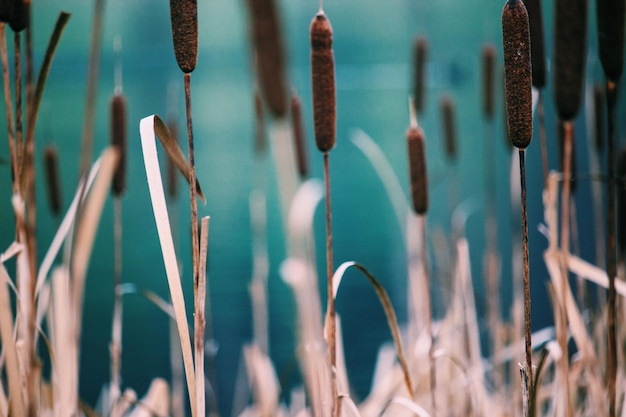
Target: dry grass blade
x,y
389,313
199,322
409,405
171,146
157,196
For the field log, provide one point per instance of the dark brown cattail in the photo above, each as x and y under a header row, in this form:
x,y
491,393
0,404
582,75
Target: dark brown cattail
x,y
599,101
118,139
260,141
417,169
517,73
323,82
537,48
570,49
51,162
489,59
302,157
621,203
172,170
184,18
270,60
6,10
610,16
448,125
20,15
420,54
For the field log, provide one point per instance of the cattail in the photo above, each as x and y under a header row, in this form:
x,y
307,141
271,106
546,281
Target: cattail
x,y
570,50
268,46
6,10
572,162
489,57
517,73
298,136
449,126
420,54
599,100
621,203
51,162
610,16
20,15
537,48
417,169
260,140
323,81
118,139
184,18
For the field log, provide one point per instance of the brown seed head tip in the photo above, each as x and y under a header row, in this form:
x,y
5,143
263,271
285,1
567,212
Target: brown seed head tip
x,y
420,53
321,32
449,126
298,135
118,139
323,82
184,18
20,15
489,57
417,169
6,9
517,73
610,17
51,162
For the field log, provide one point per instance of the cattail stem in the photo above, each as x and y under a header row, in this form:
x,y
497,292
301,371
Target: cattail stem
x,y
8,105
332,359
17,62
527,327
611,98
116,333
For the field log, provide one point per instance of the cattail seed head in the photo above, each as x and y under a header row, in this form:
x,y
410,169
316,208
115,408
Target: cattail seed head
x,y
420,55
417,169
570,49
517,73
297,121
599,100
51,163
6,10
489,58
270,60
323,82
537,47
448,125
118,139
610,16
184,18
20,15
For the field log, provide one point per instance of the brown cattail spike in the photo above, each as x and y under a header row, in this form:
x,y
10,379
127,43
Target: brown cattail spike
x,y
20,15
270,60
570,50
323,82
51,162
449,126
537,47
611,15
517,73
489,58
118,139
184,17
417,169
297,121
6,10
420,54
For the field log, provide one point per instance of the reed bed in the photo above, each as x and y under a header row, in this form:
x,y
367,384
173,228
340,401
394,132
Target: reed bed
x,y
452,352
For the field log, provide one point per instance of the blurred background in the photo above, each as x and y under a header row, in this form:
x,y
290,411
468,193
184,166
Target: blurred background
x,y
373,56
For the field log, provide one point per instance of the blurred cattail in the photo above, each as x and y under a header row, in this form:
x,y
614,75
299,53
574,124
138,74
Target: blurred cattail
x,y
323,82
6,10
621,203
172,170
118,139
417,169
489,58
297,121
610,16
572,162
260,140
184,18
449,126
20,15
270,61
420,54
599,100
51,162
570,50
517,73
537,48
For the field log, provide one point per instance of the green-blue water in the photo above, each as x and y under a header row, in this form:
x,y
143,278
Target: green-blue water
x,y
372,44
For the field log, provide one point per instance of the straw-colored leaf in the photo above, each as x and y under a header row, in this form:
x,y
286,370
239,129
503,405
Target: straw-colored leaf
x,y
409,405
156,402
159,207
171,146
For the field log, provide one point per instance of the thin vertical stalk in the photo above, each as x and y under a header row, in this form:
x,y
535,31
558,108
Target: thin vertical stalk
x,y
199,319
8,104
527,327
195,250
116,333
